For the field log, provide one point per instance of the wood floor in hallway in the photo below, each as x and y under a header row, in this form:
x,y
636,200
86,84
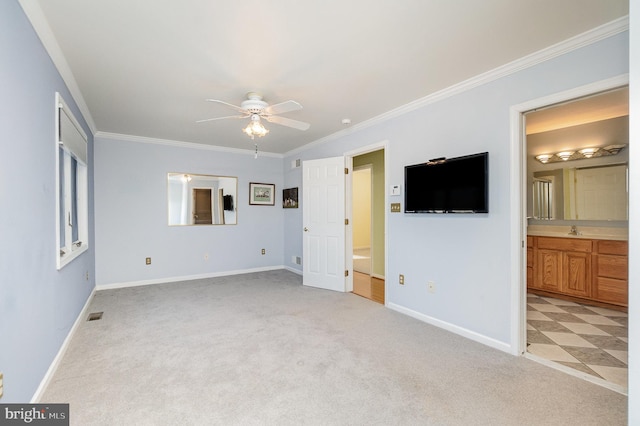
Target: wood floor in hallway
x,y
367,286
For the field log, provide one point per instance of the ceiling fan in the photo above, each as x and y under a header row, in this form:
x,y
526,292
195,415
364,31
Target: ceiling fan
x,y
255,109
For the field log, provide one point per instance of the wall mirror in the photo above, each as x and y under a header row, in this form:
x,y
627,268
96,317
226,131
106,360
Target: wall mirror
x,y
588,193
577,157
195,199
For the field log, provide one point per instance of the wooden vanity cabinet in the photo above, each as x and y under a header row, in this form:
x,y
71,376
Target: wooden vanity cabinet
x,y
563,265
610,278
530,261
580,269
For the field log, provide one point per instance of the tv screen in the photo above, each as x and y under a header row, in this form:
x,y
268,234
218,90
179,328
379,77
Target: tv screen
x,y
453,185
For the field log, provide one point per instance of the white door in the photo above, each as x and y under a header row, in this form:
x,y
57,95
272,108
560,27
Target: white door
x,y
323,213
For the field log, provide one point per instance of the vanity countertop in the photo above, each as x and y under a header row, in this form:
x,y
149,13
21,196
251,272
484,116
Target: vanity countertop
x,y
585,232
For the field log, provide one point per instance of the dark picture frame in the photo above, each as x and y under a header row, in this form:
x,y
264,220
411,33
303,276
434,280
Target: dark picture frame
x,y
290,198
262,194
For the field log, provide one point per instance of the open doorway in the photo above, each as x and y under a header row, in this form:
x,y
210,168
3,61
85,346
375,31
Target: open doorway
x,y
367,197
362,215
576,230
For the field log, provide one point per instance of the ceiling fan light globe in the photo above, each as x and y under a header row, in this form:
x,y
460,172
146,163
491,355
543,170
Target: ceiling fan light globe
x,y
255,128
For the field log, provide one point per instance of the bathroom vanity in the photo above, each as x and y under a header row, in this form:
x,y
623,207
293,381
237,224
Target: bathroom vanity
x,y
586,265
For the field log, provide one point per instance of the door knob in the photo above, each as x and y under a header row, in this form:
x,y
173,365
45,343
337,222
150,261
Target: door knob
x,y
306,229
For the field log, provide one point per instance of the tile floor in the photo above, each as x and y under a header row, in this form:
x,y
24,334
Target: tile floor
x,y
587,338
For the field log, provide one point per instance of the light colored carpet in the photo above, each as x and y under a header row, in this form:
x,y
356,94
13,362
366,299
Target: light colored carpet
x,y
261,349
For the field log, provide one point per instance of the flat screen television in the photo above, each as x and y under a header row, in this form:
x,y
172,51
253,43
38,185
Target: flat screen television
x,y
448,185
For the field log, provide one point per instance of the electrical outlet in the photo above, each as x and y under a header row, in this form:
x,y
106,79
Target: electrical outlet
x,y
401,279
206,256
147,261
87,276
431,286
264,251
1,384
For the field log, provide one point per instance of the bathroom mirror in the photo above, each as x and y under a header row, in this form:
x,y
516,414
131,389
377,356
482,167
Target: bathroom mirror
x,y
588,193
195,199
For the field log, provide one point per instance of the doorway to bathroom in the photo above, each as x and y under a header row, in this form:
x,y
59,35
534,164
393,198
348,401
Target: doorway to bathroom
x,y
574,232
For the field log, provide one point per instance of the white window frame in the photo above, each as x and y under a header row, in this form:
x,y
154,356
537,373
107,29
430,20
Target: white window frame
x,y
70,142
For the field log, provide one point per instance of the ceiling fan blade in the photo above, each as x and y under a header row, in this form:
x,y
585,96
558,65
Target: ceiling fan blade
x,y
283,107
300,125
237,108
222,118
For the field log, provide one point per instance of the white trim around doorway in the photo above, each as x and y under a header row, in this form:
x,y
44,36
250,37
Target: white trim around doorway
x,y
349,160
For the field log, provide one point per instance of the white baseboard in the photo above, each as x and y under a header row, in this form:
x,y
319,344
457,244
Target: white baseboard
x,y
63,348
295,271
496,344
186,278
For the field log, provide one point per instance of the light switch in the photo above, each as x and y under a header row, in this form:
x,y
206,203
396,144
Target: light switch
x,y
395,207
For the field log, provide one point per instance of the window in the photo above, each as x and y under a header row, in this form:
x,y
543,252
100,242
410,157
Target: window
x,y
72,208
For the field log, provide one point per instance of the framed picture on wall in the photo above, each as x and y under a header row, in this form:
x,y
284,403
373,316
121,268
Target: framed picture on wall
x,y
290,198
262,194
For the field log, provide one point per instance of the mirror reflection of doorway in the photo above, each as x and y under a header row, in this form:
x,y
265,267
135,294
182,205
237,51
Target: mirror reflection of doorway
x,y
202,206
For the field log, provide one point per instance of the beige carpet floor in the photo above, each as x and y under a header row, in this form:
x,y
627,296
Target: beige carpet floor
x,y
261,349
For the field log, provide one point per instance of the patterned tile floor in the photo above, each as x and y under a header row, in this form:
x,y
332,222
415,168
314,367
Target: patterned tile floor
x,y
587,338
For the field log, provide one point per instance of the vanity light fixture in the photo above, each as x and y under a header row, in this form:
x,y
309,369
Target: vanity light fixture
x,y
544,158
565,155
588,152
613,149
581,154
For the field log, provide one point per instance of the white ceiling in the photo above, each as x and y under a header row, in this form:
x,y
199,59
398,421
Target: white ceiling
x,y
602,106
589,122
145,67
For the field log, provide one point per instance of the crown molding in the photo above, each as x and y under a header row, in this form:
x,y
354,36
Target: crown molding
x,y
581,40
44,32
181,144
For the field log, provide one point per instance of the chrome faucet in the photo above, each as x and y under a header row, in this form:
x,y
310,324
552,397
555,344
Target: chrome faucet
x,y
574,230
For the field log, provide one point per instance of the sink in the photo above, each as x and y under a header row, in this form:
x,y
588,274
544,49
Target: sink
x,y
585,232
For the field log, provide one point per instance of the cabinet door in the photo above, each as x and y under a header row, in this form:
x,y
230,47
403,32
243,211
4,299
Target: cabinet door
x,y
548,270
576,274
610,268
611,290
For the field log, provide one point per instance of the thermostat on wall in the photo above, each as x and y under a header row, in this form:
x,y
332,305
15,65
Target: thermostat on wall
x,y
395,189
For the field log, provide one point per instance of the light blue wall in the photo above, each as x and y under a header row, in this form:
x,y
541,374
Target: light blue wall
x,y
131,214
467,256
38,304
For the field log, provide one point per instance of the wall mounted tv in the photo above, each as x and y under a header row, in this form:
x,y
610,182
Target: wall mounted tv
x,y
448,185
